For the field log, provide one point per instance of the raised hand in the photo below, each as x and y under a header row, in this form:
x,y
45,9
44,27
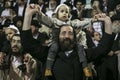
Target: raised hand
x,y
32,9
29,61
107,21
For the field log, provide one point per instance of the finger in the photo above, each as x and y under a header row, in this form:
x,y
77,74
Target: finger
x,y
26,57
32,6
37,7
31,61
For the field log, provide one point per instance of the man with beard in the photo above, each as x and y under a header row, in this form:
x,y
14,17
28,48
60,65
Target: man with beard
x,y
115,51
117,8
67,65
20,66
107,68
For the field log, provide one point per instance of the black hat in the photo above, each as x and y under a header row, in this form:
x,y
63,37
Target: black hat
x,y
1,26
117,3
17,18
36,23
115,17
7,23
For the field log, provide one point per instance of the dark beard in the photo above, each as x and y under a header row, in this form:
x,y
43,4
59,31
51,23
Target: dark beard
x,y
67,44
16,53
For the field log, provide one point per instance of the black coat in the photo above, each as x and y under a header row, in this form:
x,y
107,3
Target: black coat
x,y
33,46
69,68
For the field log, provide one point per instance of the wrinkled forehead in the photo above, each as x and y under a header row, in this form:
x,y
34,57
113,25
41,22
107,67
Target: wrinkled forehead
x,y
16,38
116,21
66,28
9,30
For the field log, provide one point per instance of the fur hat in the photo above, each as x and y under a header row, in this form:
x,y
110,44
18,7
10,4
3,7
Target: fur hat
x,y
115,17
15,28
36,23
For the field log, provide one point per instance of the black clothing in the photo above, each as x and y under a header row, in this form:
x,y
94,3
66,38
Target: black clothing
x,y
69,68
33,46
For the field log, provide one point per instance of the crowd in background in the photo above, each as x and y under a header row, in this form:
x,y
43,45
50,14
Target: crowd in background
x,y
30,65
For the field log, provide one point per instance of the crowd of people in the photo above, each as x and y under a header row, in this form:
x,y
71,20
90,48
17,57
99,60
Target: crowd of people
x,y
59,40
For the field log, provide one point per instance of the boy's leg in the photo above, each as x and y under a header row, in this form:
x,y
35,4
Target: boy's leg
x,y
51,58
83,60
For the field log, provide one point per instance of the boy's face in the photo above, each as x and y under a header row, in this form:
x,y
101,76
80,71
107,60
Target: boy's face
x,y
63,13
97,36
19,24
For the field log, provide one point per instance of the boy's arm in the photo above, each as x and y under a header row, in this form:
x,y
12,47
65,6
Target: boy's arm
x,y
46,20
81,24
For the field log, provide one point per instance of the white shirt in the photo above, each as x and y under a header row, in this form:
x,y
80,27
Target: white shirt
x,y
6,12
67,53
20,10
17,61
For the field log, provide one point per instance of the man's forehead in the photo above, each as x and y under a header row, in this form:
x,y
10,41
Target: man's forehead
x,y
118,5
66,28
16,38
116,21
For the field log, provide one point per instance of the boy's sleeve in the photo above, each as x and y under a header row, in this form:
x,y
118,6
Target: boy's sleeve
x,y
83,24
46,20
53,50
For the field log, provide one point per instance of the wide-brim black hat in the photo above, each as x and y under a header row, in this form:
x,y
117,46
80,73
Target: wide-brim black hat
x,y
115,17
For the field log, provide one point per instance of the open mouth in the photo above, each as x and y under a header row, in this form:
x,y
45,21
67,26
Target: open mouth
x,y
64,17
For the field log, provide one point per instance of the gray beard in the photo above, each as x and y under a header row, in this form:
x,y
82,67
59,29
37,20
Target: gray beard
x,y
116,28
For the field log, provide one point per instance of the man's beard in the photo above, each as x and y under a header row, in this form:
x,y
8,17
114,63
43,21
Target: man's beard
x,y
67,44
116,28
16,53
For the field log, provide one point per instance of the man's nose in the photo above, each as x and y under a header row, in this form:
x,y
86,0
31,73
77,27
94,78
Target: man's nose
x,y
66,35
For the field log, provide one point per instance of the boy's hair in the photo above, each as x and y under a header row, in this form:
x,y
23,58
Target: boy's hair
x,y
58,7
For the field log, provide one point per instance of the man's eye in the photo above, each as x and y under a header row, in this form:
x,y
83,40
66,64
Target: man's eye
x,y
13,41
71,33
63,33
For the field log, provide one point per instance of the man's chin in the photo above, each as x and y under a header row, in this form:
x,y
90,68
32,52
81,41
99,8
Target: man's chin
x,y
66,47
